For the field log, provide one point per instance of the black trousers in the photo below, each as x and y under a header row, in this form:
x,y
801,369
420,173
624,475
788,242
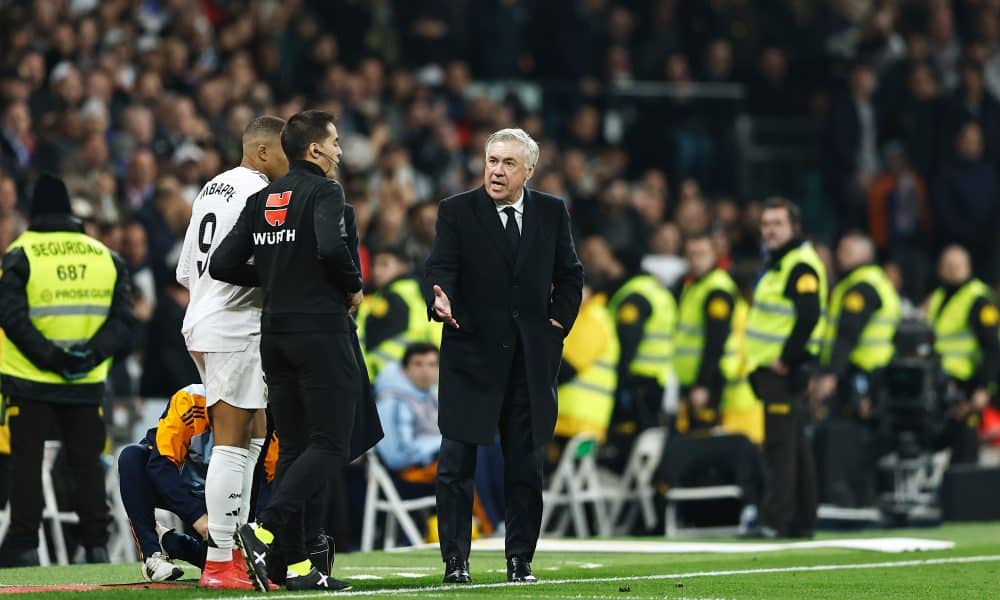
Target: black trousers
x,y
81,428
522,478
314,383
790,497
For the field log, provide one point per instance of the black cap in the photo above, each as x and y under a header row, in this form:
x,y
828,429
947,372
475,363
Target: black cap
x,y
50,197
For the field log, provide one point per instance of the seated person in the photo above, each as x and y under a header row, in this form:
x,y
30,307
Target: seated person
x,y
406,397
167,469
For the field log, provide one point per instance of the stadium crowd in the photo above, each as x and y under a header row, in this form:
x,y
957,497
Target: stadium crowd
x,y
136,104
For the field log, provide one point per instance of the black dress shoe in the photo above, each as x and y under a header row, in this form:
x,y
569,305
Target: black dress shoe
x,y
519,571
456,570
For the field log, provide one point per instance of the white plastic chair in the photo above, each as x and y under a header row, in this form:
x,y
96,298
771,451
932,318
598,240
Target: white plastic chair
x,y
573,485
51,512
675,496
382,496
632,494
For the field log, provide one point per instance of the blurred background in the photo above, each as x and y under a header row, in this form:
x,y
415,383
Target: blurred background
x,y
656,119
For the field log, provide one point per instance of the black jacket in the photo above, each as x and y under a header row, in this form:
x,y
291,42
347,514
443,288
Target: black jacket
x,y
499,299
113,336
294,231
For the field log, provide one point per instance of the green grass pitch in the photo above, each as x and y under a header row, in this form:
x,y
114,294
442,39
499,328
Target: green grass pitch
x,y
970,570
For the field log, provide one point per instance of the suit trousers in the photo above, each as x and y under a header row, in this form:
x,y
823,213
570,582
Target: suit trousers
x,y
81,428
790,496
522,474
314,383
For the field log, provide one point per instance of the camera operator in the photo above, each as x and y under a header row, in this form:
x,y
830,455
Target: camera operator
x,y
964,315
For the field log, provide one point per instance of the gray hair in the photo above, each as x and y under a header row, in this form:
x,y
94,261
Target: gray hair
x,y
517,135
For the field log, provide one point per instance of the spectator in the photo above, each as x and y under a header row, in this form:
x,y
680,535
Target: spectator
x,y
772,93
407,405
965,201
972,102
166,362
851,147
899,220
915,119
17,144
663,260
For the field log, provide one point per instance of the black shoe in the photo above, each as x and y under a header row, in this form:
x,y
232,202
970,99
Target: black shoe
x,y
320,552
97,555
316,581
254,553
519,571
456,570
18,558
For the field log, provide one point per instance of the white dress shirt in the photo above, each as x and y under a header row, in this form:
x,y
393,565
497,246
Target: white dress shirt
x,y
518,213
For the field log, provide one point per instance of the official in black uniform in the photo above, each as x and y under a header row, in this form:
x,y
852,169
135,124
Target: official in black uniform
x,y
294,230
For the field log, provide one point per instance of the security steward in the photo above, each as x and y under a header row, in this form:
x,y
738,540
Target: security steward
x,y
294,229
782,340
395,316
645,314
858,343
964,315
588,375
66,309
707,300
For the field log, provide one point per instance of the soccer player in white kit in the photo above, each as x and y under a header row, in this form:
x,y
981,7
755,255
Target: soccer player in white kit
x,y
222,332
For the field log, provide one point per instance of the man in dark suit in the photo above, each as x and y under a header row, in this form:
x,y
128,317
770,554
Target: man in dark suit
x,y
504,277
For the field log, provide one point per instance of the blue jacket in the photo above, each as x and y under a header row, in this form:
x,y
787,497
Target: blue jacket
x,y
409,418
180,447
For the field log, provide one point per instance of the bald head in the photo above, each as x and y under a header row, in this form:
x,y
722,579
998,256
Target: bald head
x,y
854,250
262,147
955,265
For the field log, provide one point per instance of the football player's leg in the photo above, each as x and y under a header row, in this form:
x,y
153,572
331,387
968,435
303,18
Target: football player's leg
x,y
225,479
258,434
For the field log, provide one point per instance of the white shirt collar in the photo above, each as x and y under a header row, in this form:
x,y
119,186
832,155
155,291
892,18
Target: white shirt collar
x,y
518,206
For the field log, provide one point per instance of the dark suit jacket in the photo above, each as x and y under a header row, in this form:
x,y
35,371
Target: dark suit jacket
x,y
499,298
367,429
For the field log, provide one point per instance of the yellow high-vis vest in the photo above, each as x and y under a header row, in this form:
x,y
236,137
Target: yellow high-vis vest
x,y
874,349
418,328
69,293
689,336
742,411
654,356
954,339
772,315
587,401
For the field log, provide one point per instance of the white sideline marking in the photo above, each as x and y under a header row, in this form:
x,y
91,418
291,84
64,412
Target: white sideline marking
x,y
887,544
482,586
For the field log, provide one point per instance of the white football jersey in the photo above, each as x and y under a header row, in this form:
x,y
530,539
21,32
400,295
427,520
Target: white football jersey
x,y
220,317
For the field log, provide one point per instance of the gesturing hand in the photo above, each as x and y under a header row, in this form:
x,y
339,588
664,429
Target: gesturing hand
x,y
442,307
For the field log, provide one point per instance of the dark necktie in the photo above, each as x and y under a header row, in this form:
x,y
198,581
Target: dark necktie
x,y
513,233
